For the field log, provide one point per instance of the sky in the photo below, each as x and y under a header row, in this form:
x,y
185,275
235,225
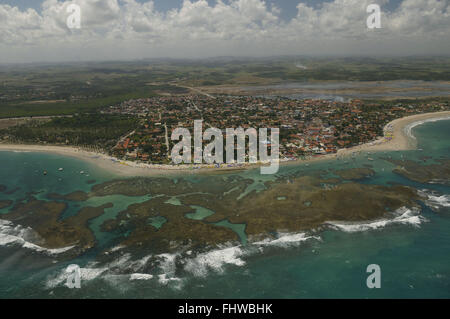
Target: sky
x,y
37,30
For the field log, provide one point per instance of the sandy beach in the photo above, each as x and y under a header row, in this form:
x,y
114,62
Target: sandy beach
x,y
397,137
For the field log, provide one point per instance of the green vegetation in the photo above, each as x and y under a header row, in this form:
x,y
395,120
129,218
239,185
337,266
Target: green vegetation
x,y
64,89
370,69
96,131
65,108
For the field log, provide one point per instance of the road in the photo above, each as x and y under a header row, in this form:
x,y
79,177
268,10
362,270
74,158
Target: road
x,y
196,90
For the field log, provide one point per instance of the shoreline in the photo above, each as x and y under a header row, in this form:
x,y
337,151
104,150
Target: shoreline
x,y
397,137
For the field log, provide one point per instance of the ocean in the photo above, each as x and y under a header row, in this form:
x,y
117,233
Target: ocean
x,y
412,249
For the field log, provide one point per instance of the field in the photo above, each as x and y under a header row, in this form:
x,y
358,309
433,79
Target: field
x,y
66,89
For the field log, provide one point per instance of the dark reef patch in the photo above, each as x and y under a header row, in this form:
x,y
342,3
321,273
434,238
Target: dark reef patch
x,y
432,173
355,173
78,196
306,204
5,203
43,218
177,231
298,202
12,191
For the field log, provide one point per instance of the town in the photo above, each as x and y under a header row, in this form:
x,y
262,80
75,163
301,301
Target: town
x,y
235,152
307,127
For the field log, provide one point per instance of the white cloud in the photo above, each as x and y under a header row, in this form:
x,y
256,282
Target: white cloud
x,y
421,17
130,29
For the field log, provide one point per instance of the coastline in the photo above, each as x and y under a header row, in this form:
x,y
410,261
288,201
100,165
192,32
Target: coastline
x,y
397,137
400,130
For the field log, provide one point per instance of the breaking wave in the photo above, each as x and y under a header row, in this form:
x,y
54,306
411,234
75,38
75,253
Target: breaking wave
x,y
16,235
173,269
123,265
86,274
408,128
138,276
286,239
434,200
215,260
402,215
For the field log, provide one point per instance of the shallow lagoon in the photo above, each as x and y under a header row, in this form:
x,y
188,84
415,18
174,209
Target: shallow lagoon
x,y
327,264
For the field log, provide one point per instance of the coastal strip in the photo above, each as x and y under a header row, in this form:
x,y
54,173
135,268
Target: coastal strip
x,y
397,134
397,137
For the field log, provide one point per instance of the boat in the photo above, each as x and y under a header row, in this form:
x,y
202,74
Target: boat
x,y
60,169
45,172
370,159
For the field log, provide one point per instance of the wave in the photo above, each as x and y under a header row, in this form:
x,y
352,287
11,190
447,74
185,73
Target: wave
x,y
402,215
123,265
440,181
86,274
138,276
408,128
168,265
16,235
215,260
286,240
434,200
174,269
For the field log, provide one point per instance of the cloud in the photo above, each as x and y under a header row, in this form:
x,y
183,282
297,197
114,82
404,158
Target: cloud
x,y
421,18
130,29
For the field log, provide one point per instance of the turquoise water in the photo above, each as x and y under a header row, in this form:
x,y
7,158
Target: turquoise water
x,y
414,261
200,213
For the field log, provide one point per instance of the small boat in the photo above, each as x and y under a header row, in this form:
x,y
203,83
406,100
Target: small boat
x,y
45,172
60,169
81,172
370,159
